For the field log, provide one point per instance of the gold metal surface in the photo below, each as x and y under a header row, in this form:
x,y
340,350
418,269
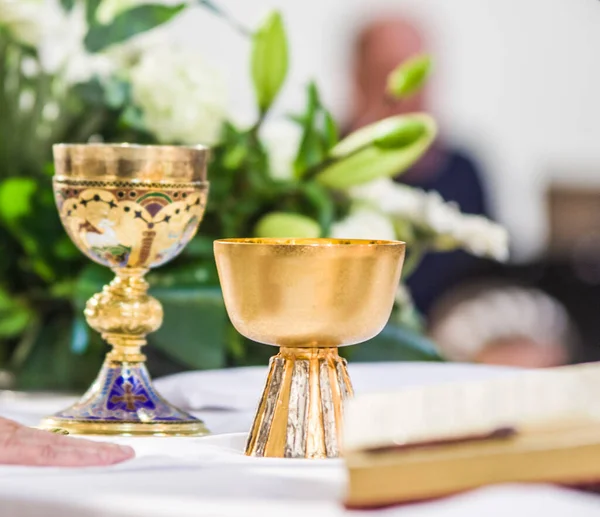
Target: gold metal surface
x,y
91,427
123,313
130,208
131,162
54,430
307,296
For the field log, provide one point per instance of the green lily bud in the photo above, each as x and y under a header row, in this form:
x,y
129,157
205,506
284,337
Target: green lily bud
x,y
409,77
284,225
269,60
383,149
406,132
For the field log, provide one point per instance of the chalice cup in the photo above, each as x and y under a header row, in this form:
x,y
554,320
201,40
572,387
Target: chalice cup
x,y
308,297
129,208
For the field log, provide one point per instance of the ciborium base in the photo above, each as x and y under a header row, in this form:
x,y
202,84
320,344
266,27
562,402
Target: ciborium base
x,y
300,412
122,401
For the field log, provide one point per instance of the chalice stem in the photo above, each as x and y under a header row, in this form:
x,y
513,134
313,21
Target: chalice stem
x,y
124,314
122,399
300,412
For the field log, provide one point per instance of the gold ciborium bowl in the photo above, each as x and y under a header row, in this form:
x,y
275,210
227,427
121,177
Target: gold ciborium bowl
x,y
308,297
129,208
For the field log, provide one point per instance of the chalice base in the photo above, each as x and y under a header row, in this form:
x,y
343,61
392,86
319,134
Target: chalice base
x,y
300,412
122,401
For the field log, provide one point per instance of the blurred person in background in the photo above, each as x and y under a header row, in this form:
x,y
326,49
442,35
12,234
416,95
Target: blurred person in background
x,y
379,48
519,322
497,323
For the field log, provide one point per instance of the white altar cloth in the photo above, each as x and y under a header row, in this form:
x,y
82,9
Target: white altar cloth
x,y
211,477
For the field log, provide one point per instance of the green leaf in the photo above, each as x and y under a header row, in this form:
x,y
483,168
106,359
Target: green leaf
x,y
91,10
287,225
50,363
331,131
65,249
92,92
90,281
133,117
269,60
199,247
129,23
63,289
67,4
409,77
320,198
117,93
311,150
199,273
21,210
320,133
194,326
29,213
235,156
357,159
396,343
14,315
16,196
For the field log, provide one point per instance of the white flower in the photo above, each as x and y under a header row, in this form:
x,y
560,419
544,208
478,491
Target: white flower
x,y
480,236
475,233
182,97
58,37
390,197
438,215
443,221
61,47
23,19
281,139
364,223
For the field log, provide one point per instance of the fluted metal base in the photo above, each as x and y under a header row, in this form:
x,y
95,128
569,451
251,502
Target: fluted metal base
x,y
300,412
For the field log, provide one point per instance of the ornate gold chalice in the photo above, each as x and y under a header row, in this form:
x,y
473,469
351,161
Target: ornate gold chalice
x,y
308,297
130,208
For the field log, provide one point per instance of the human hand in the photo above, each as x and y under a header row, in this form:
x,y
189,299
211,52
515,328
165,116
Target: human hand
x,y
22,445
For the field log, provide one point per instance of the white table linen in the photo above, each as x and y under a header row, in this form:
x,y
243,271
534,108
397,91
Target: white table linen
x,y
210,476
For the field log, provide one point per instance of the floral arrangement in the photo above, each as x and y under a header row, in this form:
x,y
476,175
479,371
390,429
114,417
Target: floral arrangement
x,y
104,70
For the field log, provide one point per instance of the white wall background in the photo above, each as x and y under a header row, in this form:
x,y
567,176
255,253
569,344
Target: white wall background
x,y
517,80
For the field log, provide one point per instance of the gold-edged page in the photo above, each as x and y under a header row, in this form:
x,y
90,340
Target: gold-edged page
x,y
526,401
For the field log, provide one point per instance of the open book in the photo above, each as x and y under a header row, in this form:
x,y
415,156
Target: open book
x,y
428,442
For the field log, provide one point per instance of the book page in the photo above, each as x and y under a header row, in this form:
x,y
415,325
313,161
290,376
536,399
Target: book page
x,y
526,401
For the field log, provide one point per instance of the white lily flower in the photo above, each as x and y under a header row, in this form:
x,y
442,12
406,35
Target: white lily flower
x,y
62,51
364,223
183,98
58,37
281,139
428,212
482,237
390,197
23,19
